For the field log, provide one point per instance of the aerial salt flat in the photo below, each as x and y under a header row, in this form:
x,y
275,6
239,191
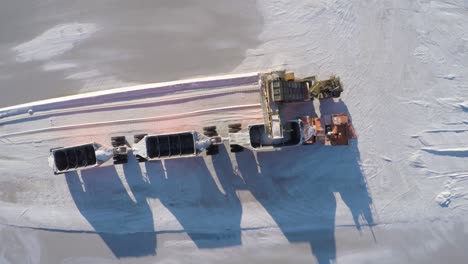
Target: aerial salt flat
x,y
63,48
398,194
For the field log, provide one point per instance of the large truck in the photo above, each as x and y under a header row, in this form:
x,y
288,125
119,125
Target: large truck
x,y
277,90
284,87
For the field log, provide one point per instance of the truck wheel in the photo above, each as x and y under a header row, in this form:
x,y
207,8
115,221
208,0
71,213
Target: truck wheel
x,y
120,159
236,125
336,94
209,128
138,138
212,150
118,141
236,148
210,133
140,158
234,130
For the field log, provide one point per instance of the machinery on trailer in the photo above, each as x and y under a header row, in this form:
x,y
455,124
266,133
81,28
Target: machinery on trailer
x,y
333,129
327,130
278,89
284,87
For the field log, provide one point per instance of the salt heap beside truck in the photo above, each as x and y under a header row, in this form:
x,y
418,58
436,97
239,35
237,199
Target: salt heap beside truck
x,y
277,90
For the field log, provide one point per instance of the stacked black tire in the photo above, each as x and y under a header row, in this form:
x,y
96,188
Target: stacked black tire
x,y
119,158
234,128
210,131
137,138
336,93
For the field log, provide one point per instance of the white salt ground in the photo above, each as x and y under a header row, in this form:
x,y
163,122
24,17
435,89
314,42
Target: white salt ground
x,y
381,200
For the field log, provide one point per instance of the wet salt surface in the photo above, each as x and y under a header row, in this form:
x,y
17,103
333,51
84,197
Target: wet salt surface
x,y
52,48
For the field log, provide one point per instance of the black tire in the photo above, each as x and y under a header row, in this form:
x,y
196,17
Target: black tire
x,y
236,148
236,125
210,133
212,150
118,141
118,156
140,158
234,130
336,94
120,159
209,128
137,138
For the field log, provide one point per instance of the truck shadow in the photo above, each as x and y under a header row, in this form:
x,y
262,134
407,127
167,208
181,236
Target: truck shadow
x,y
209,213
124,225
298,188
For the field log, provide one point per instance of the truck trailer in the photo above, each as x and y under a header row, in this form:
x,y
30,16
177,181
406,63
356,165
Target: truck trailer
x,y
78,157
176,145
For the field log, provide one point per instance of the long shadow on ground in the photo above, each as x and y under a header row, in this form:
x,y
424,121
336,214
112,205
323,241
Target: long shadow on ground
x,y
124,225
209,214
297,187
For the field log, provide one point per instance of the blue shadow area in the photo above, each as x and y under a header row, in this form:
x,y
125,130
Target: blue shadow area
x,y
300,197
102,199
297,187
209,213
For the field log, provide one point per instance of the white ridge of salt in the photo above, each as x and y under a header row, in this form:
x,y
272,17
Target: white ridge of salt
x,y
54,41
